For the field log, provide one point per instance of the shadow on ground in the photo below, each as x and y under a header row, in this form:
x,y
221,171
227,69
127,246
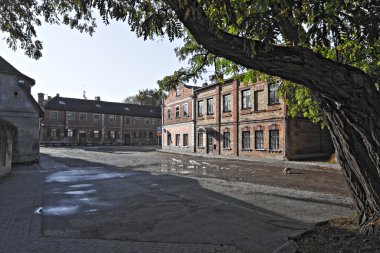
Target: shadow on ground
x,y
84,199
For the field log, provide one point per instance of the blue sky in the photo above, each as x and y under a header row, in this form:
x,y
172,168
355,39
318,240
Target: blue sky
x,y
113,64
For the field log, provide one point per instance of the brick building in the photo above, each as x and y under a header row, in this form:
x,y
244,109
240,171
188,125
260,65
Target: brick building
x,y
233,119
82,121
178,120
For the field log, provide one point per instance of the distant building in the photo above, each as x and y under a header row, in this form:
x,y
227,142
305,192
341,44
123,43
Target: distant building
x,y
96,122
19,118
232,119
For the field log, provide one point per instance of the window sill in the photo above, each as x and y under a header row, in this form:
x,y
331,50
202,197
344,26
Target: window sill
x,y
246,149
274,150
245,111
227,149
211,116
260,149
271,104
201,147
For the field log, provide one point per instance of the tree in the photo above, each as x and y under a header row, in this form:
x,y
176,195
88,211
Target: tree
x,y
131,100
145,97
307,42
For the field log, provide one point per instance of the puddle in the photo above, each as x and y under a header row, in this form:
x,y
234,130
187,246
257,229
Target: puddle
x,y
81,185
60,210
80,192
176,160
93,202
154,185
190,167
91,210
83,175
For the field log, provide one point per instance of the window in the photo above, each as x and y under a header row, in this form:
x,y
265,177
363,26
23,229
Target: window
x,y
259,140
112,119
226,140
169,114
245,95
127,120
177,111
200,108
135,134
177,139
210,106
245,139
185,110
273,93
140,134
177,91
169,139
96,134
185,140
153,122
147,121
112,134
70,116
137,121
54,115
227,103
150,135
70,133
200,139
83,117
96,118
53,132
274,140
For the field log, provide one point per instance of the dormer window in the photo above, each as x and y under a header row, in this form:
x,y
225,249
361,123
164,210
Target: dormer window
x,y
177,91
98,105
126,108
61,102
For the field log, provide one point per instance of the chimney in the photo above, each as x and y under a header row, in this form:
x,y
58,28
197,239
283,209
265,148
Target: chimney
x,y
41,99
97,98
49,98
57,95
204,84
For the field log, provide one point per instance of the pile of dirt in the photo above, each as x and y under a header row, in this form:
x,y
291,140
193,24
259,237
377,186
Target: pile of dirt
x,y
338,235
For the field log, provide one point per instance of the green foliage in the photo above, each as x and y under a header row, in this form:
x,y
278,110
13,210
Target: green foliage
x,y
145,97
345,31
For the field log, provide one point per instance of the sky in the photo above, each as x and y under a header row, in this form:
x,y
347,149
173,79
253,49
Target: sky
x,y
112,64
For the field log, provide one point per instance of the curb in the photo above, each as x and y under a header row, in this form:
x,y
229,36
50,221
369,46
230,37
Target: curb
x,y
291,246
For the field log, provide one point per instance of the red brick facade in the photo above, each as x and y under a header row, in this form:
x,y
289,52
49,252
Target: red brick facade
x,y
177,120
234,119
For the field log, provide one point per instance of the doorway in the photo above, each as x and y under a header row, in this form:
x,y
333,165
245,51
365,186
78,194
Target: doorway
x,y
210,143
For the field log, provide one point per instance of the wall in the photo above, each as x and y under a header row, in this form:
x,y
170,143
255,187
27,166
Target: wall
x,y
7,134
308,140
178,124
16,108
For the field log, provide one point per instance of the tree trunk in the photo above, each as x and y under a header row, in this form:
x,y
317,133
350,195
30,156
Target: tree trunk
x,y
347,96
357,147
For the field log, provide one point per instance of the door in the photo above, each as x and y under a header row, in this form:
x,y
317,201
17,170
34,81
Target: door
x,y
127,139
210,144
82,137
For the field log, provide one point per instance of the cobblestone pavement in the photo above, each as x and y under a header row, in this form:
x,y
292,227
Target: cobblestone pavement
x,y
155,202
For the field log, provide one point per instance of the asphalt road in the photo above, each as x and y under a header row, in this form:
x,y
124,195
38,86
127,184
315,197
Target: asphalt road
x,y
141,195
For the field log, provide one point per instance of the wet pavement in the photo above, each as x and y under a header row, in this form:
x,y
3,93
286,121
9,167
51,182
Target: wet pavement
x,y
176,203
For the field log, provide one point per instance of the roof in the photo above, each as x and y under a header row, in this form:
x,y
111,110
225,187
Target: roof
x,y
94,106
214,84
6,67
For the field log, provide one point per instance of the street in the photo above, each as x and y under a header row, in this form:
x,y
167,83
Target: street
x,y
160,202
